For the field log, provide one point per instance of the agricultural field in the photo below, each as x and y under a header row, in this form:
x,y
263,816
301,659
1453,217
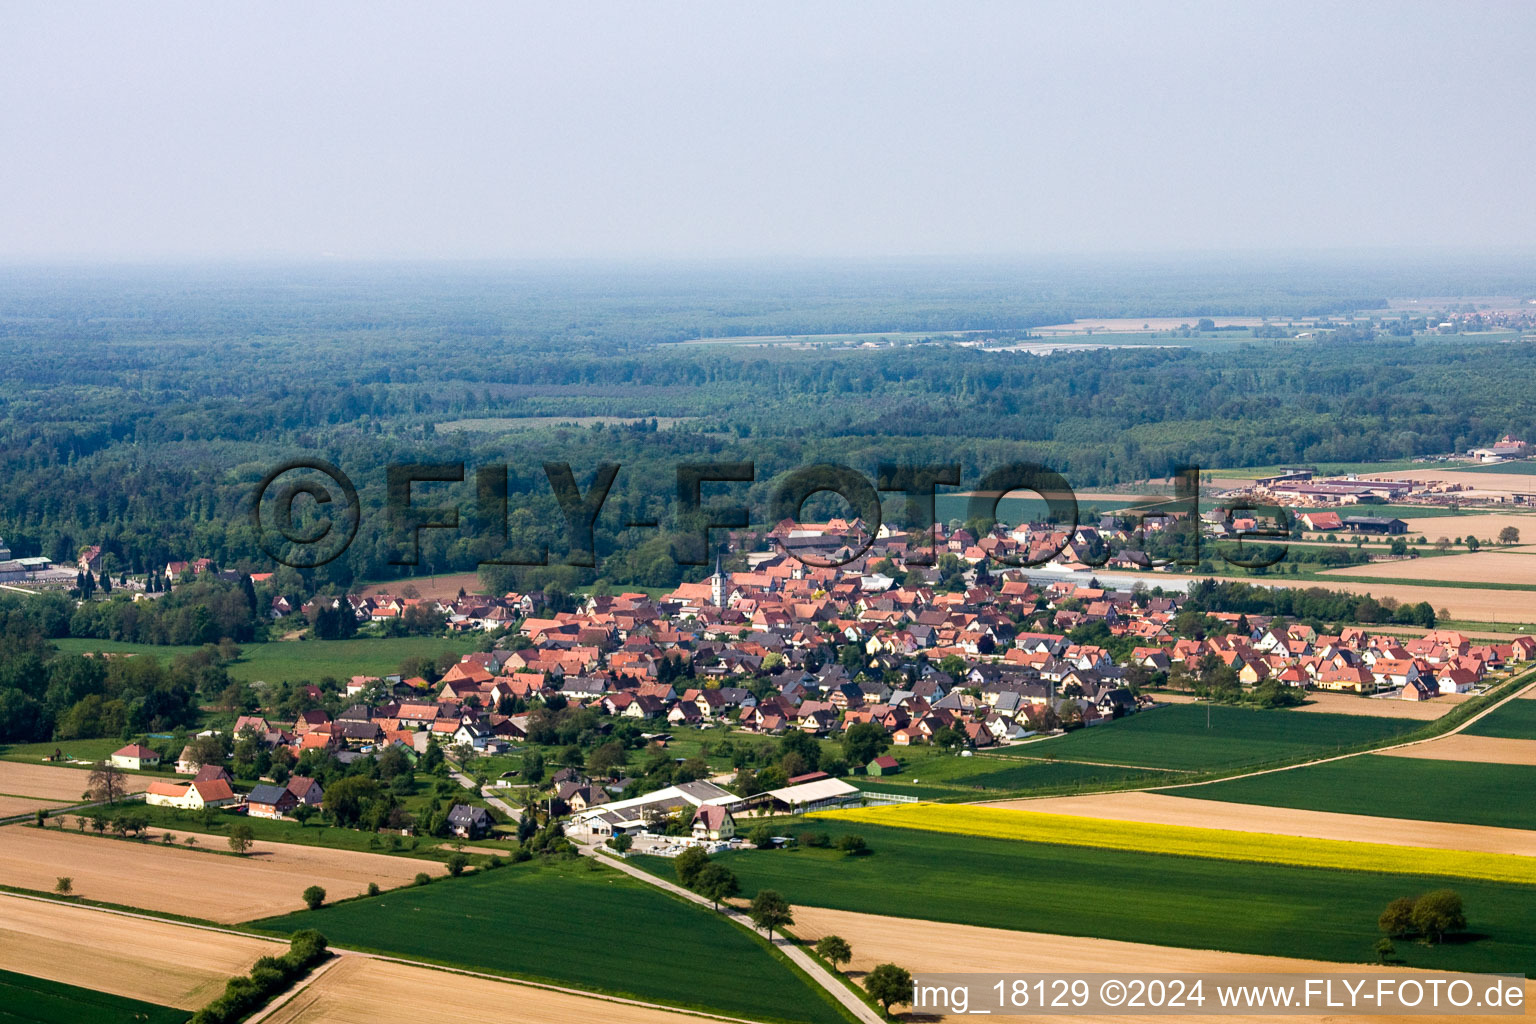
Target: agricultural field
x,y
1491,566
354,988
1214,738
153,961
215,832
24,998
1152,898
78,754
1028,826
26,788
946,777
1170,809
280,660
1391,787
228,889
1464,746
508,921
1516,720
939,948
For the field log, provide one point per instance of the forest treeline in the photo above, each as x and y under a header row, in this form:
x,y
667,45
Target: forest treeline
x,y
139,412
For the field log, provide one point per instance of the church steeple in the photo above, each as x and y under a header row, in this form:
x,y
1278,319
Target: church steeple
x,y
717,585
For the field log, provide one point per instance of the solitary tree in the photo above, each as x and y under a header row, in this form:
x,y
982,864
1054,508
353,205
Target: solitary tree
x,y
853,846
1509,535
302,813
64,886
716,883
1385,950
457,862
314,897
1397,919
106,783
688,865
240,838
888,984
1438,912
622,842
834,949
770,910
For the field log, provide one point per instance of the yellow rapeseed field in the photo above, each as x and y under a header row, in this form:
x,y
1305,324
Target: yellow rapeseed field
x,y
1187,841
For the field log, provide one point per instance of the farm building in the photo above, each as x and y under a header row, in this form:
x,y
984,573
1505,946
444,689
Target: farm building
x,y
135,757
270,802
712,821
1375,524
885,764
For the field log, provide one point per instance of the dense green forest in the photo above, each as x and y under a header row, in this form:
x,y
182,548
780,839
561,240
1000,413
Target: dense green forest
x,y
139,408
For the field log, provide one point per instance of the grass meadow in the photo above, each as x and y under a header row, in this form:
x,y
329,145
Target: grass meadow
x,y
280,660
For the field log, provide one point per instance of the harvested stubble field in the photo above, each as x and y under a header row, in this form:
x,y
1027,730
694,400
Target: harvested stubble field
x,y
156,961
356,988
1171,809
1464,746
933,947
58,784
206,885
1036,826
1488,566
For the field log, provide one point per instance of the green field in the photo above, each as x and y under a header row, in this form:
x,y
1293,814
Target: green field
x,y
985,775
1392,787
553,923
1515,720
28,1000
278,661
1177,736
1138,897
80,750
181,824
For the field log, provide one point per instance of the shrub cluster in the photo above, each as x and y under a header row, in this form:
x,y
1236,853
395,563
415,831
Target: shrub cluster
x,y
269,976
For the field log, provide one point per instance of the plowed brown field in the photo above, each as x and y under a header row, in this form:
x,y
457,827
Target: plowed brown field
x,y
205,885
156,961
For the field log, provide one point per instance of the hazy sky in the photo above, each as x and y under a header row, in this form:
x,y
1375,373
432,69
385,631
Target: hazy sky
x,y
150,130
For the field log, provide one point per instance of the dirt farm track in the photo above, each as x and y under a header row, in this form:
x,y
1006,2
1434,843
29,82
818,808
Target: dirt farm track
x,y
156,961
927,946
228,889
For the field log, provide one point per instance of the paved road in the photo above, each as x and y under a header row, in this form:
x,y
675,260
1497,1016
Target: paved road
x,y
495,801
798,956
